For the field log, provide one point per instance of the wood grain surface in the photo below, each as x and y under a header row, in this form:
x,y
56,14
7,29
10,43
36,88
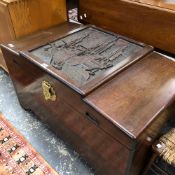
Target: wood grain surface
x,y
36,15
148,23
169,4
114,125
29,16
22,17
134,98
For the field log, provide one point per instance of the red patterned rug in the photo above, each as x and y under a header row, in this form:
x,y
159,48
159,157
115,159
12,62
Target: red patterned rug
x,y
17,157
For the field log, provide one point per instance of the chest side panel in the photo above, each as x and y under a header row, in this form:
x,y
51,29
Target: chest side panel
x,y
161,125
138,94
105,153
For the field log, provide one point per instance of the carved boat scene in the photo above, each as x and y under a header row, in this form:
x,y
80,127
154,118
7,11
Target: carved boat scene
x,y
84,55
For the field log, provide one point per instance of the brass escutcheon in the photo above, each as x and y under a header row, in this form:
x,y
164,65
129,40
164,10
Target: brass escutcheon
x,y
48,91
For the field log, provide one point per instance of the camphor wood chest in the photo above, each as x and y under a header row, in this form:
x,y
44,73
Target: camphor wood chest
x,y
22,17
106,95
149,21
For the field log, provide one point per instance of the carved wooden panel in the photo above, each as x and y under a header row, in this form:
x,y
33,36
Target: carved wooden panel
x,y
88,53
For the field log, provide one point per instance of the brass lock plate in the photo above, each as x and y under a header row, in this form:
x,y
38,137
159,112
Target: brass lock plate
x,y
48,91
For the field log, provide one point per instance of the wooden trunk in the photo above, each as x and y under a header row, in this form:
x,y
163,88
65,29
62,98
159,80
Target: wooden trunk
x,y
148,21
22,17
114,114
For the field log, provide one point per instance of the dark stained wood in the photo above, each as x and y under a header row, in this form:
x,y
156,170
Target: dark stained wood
x,y
42,37
72,126
148,137
22,79
115,123
89,140
130,101
151,22
47,36
135,97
